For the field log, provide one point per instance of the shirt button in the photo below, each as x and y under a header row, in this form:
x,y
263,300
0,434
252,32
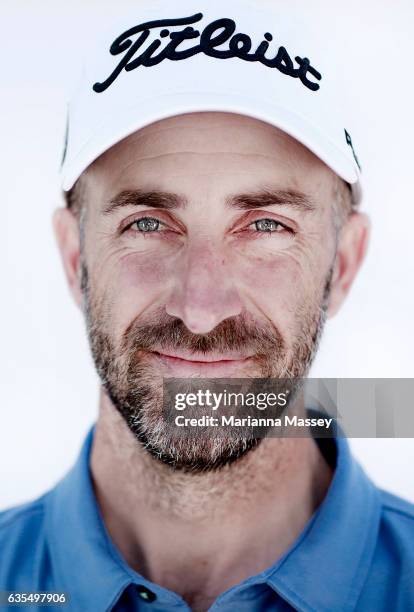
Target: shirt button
x,y
145,594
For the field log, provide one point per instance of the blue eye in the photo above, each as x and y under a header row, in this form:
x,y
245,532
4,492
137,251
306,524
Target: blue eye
x,y
268,225
147,225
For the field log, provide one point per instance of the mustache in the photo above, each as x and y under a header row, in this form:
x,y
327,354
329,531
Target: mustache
x,y
163,331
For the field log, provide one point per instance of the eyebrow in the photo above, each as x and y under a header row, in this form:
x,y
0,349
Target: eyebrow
x,y
138,197
272,197
247,201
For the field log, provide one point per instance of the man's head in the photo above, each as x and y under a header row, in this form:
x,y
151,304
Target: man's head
x,y
206,245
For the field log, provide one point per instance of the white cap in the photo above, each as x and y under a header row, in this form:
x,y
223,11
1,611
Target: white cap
x,y
168,59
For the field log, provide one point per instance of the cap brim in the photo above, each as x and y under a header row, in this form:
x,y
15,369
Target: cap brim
x,y
148,111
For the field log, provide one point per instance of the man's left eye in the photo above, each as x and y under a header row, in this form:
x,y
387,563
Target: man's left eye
x,y
146,225
268,225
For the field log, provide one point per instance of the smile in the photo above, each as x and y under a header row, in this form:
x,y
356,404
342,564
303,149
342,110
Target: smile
x,y
214,364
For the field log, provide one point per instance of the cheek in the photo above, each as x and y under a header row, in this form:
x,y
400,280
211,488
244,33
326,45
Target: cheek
x,y
142,280
279,286
135,284
143,272
273,278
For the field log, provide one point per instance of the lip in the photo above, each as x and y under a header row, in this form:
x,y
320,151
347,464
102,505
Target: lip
x,y
213,364
201,358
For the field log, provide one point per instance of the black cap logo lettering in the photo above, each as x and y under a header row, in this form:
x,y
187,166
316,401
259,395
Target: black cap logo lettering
x,y
219,32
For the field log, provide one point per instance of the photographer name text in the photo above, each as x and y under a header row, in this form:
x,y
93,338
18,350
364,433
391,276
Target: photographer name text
x,y
233,421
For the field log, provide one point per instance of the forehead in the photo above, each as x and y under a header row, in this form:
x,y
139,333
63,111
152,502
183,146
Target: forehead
x,y
232,150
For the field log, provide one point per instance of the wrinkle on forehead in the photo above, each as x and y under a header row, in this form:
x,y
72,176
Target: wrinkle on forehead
x,y
225,132
213,144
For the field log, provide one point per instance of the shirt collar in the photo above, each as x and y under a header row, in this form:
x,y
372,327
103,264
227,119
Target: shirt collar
x,y
326,567
324,570
85,561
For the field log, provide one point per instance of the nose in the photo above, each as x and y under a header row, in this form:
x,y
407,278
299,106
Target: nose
x,y
203,293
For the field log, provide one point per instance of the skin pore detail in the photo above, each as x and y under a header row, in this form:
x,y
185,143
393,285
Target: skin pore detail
x,y
209,244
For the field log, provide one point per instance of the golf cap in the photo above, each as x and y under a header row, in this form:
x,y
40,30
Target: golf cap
x,y
171,58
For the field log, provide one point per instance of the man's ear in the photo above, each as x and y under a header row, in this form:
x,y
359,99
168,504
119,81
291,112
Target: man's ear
x,y
67,233
352,246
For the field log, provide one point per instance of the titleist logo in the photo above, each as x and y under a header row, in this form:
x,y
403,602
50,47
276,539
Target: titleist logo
x,y
218,33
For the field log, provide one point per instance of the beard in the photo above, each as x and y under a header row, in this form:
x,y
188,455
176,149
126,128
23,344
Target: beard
x,y
135,386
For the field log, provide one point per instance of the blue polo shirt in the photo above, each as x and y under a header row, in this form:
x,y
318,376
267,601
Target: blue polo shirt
x,y
356,553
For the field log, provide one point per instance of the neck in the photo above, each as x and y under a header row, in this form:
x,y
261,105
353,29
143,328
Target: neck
x,y
168,524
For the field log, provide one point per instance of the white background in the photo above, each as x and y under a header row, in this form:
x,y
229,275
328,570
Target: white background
x,y
48,387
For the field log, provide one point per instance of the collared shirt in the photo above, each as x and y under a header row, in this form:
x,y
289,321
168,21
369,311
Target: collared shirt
x,y
356,553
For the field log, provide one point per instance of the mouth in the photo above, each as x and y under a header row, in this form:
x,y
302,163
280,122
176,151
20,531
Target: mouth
x,y
214,364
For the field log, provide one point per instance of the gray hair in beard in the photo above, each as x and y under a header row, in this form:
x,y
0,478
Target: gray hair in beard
x,y
134,390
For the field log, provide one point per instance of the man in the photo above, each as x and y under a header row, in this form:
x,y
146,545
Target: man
x,y
212,225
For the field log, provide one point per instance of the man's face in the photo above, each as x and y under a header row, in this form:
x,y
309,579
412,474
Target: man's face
x,y
208,252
